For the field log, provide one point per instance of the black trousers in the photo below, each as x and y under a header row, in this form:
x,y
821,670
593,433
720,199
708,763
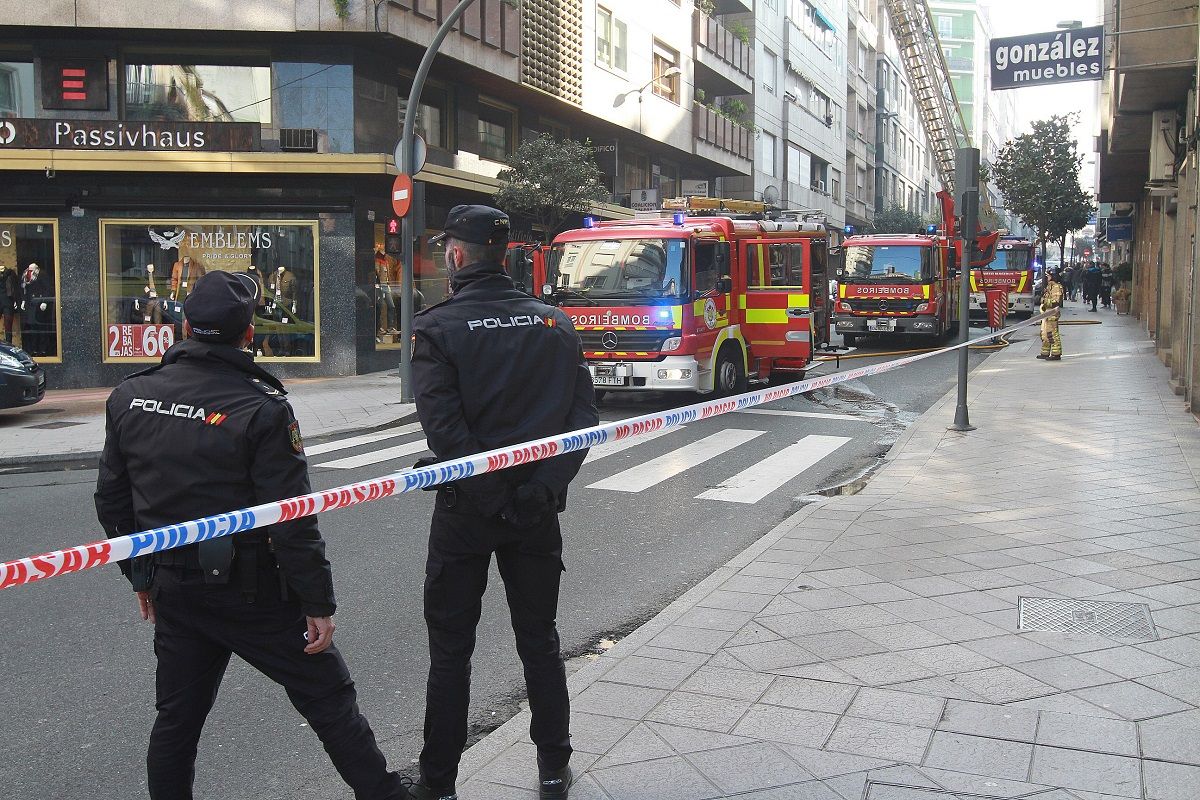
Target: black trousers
x,y
198,627
461,544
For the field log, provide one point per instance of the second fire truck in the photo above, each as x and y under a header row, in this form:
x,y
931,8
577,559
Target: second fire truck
x,y
904,284
704,297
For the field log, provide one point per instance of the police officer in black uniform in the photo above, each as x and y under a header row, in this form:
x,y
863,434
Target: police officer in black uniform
x,y
205,432
492,367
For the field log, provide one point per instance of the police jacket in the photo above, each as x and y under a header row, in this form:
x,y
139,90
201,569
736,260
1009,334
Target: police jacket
x,y
1091,280
205,432
494,367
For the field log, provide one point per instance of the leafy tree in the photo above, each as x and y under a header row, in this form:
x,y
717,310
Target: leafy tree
x,y
549,180
897,219
1038,173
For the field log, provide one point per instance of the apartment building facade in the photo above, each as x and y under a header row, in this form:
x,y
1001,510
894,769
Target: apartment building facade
x,y
143,144
862,39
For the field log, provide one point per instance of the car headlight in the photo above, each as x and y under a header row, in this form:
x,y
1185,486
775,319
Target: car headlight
x,y
12,362
922,307
672,344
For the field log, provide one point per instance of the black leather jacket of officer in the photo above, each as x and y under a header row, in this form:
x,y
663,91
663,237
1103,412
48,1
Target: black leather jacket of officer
x,y
494,367
205,432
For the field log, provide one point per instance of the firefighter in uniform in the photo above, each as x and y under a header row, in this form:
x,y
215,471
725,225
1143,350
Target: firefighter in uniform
x,y
205,432
1052,300
493,367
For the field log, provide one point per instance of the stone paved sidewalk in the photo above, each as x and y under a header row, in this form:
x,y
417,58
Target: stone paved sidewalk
x,y
869,649
69,424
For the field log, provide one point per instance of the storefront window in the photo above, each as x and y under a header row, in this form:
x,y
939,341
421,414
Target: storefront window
x,y
198,93
429,287
150,266
29,286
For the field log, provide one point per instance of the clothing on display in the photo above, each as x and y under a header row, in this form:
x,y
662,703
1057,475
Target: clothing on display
x,y
10,298
38,309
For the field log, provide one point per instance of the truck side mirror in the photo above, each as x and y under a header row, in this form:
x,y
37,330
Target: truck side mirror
x,y
725,284
547,290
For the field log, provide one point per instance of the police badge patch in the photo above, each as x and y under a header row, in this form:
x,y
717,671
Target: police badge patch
x,y
294,437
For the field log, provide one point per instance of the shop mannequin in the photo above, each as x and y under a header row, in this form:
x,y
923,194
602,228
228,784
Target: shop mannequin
x,y
282,307
10,298
151,306
385,302
260,308
184,274
37,325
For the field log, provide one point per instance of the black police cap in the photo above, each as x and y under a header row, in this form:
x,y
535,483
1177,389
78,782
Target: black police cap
x,y
221,306
475,224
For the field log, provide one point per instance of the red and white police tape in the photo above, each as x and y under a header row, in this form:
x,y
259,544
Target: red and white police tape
x,y
109,551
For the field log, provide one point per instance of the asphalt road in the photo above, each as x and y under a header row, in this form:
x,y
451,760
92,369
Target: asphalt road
x,y
78,663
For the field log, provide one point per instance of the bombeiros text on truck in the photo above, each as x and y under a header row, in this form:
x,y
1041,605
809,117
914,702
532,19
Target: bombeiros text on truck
x,y
703,296
904,284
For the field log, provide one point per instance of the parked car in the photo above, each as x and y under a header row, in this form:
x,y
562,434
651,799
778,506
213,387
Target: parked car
x,y
22,380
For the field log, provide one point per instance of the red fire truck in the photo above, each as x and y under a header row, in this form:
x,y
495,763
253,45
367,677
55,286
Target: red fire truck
x,y
703,297
904,283
1012,270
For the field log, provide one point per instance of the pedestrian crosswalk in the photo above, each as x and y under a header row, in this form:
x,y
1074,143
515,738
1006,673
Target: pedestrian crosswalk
x,y
641,466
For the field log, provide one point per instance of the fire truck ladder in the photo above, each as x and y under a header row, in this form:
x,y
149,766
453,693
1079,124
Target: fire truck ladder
x,y
912,25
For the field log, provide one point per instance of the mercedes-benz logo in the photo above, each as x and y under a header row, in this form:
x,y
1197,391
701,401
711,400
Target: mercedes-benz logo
x,y
609,340
7,133
883,305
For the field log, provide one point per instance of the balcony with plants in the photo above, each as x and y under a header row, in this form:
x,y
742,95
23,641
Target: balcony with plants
x,y
724,49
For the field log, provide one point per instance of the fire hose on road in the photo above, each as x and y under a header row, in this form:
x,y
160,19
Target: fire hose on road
x,y
109,551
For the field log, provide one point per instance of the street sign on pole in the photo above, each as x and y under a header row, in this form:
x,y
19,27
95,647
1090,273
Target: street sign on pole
x,y
419,153
402,192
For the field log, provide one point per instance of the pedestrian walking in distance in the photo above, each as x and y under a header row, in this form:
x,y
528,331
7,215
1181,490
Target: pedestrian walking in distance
x,y
1052,300
473,383
1106,286
1092,280
204,432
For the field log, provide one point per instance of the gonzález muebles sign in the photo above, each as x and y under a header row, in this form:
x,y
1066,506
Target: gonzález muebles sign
x,y
1052,57
111,134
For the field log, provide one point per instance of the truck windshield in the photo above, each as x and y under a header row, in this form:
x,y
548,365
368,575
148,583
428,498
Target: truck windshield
x,y
1010,259
644,270
887,263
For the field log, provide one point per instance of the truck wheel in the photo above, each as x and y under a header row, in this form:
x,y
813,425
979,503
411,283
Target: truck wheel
x,y
730,374
849,339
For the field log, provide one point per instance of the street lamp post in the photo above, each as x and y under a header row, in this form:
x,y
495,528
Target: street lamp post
x,y
406,224
620,99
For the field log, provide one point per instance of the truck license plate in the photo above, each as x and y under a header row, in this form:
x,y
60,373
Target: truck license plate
x,y
608,380
881,324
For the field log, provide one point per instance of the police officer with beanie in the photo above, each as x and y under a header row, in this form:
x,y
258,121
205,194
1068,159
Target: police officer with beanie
x,y
494,367
205,432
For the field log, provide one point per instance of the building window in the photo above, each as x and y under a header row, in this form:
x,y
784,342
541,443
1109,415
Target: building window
x,y
860,184
835,185
666,82
945,26
433,116
766,154
770,70
497,130
16,89
149,267
29,260
198,93
612,45
862,59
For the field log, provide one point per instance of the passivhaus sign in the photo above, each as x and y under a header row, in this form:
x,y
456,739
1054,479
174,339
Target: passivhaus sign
x,y
65,134
1052,57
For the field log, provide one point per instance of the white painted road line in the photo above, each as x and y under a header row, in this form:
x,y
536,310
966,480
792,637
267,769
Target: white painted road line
x,y
376,456
366,438
755,483
812,414
668,465
612,448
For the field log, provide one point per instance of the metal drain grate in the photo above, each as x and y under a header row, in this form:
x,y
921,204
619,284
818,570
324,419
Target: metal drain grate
x,y
1096,617
50,426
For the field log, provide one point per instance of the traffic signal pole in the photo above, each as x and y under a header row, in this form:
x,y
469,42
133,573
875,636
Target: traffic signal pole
x,y
405,167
